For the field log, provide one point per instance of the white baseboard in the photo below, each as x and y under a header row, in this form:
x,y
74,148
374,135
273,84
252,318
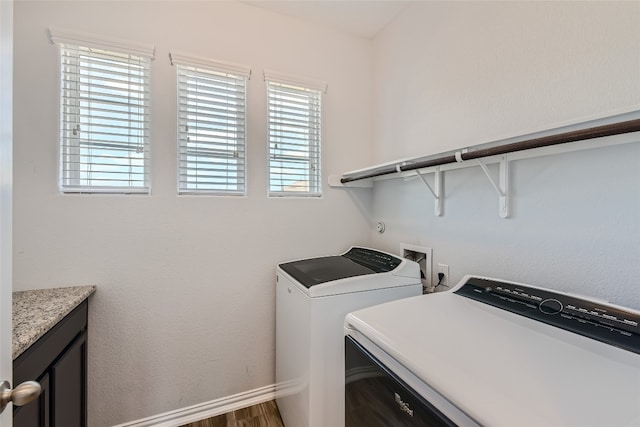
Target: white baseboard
x,y
207,409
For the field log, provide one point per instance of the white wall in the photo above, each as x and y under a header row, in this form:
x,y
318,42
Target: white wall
x,y
184,311
455,74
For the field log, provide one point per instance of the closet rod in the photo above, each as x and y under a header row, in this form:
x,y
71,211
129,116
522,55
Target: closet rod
x,y
545,141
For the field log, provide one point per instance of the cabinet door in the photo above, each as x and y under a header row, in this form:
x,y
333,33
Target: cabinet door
x,y
69,385
35,414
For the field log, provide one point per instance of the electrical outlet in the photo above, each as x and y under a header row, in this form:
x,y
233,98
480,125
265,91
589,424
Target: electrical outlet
x,y
444,269
422,255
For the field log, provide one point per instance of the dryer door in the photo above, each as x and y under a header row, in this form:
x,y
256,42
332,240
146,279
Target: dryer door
x,y
376,397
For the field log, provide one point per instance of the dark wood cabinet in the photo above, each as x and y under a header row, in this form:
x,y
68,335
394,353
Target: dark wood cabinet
x,y
58,361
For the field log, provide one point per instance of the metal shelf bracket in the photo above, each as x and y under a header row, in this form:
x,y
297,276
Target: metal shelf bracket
x,y
502,186
436,190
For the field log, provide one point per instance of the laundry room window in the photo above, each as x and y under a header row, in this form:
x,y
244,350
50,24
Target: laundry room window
x,y
104,135
211,125
295,118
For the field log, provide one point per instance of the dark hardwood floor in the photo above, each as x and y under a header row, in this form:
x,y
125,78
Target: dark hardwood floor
x,y
262,415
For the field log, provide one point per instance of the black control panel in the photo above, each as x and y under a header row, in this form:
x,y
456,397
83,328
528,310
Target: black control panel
x,y
377,261
599,321
356,262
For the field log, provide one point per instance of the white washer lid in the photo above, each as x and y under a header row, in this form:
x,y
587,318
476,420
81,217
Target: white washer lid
x,y
336,275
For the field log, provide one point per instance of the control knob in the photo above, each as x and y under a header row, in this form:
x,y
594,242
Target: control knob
x,y
550,306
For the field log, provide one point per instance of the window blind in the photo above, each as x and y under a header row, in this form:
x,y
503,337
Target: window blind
x,y
294,139
211,129
104,120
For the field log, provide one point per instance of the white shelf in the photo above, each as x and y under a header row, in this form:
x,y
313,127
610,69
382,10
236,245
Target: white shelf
x,y
619,129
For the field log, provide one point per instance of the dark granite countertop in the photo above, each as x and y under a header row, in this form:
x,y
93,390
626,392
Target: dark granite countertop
x,y
35,312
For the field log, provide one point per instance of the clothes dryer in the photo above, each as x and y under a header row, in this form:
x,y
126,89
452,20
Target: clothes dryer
x,y
494,353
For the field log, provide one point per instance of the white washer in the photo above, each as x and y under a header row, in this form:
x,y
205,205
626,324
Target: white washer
x,y
313,296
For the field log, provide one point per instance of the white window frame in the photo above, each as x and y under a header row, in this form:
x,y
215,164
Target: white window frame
x,y
296,141
211,123
104,120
